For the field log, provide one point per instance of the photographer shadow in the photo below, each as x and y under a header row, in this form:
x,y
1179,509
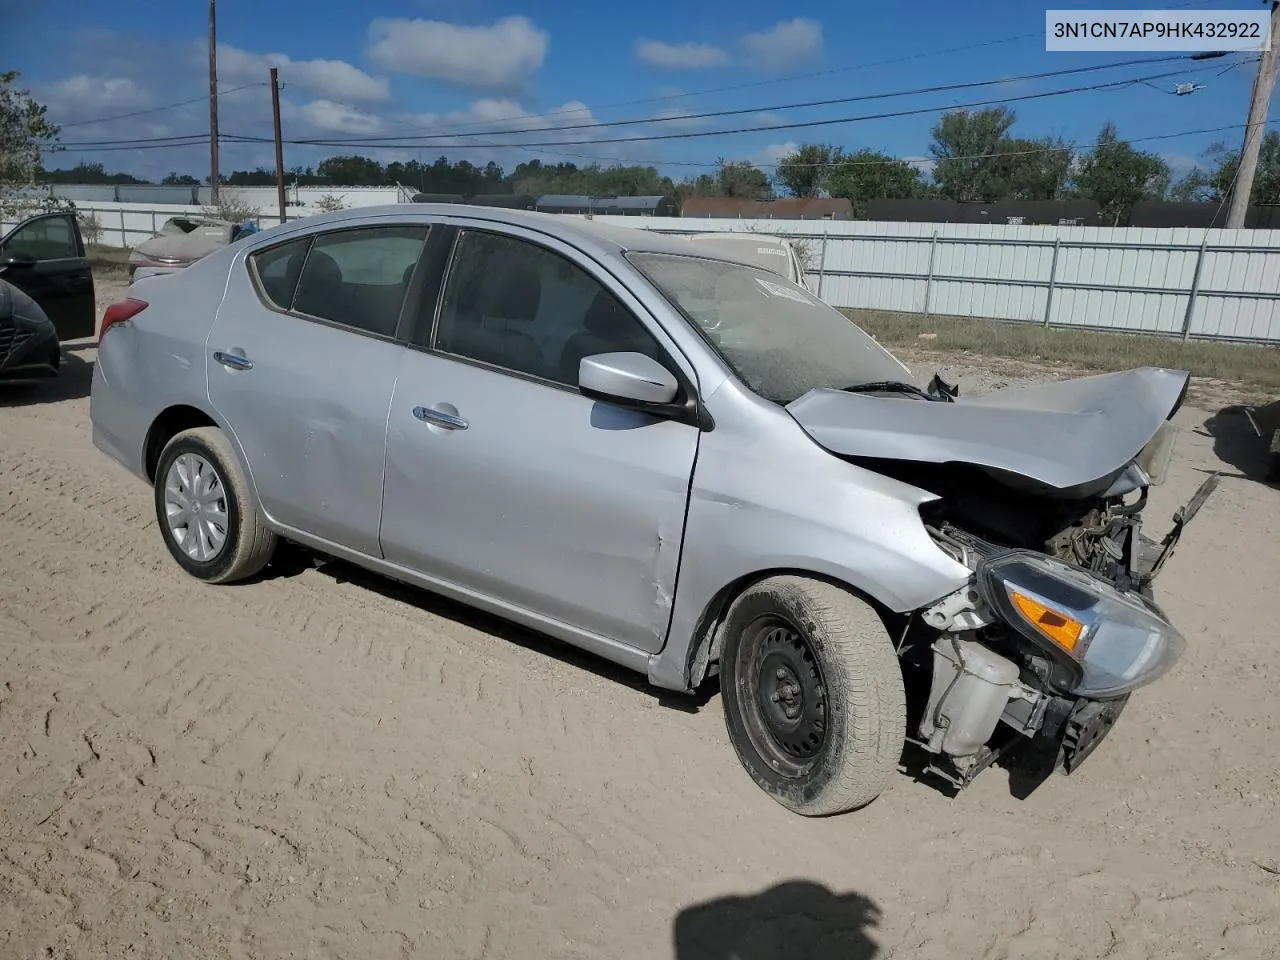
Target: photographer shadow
x,y
793,919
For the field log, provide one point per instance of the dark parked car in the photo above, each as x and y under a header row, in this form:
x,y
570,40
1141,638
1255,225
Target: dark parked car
x,y
44,257
29,348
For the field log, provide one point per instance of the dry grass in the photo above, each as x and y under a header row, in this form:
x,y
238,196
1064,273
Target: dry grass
x,y
106,261
1257,366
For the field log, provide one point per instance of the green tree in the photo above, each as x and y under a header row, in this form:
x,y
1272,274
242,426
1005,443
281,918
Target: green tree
x,y
735,178
352,171
871,175
1215,183
805,172
175,179
963,146
1031,169
1117,176
1196,187
260,177
26,134
87,173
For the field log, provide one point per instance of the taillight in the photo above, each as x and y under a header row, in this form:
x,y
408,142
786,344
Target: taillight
x,y
119,312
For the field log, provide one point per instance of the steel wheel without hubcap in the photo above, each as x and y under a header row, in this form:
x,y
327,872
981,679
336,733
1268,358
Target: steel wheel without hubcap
x,y
788,725
195,504
813,695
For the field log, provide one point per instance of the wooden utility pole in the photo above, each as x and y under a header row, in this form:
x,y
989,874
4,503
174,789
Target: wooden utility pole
x,y
213,104
275,120
1263,83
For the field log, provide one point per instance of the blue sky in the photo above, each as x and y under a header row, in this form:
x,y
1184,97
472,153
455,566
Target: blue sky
x,y
441,68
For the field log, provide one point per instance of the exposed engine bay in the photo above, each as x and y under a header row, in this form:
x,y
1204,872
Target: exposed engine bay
x,y
1032,662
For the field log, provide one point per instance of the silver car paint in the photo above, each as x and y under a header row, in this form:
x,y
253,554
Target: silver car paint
x,y
567,507
310,416
1063,434
762,495
155,362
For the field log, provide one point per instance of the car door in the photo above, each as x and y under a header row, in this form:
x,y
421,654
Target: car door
x,y
502,478
301,361
45,257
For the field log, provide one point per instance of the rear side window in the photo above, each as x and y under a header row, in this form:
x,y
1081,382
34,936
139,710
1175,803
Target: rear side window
x,y
358,278
278,269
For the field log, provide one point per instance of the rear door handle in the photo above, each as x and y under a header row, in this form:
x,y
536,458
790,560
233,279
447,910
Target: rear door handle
x,y
233,360
440,418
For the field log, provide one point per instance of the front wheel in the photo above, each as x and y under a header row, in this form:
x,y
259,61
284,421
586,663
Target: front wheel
x,y
813,694
206,516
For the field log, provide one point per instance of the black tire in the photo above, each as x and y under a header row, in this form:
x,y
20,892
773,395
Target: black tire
x,y
826,737
249,544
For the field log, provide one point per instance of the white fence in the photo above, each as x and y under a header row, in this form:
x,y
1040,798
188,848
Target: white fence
x,y
1192,283
127,225
123,224
1184,282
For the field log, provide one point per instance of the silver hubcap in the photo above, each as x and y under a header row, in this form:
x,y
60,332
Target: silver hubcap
x,y
195,506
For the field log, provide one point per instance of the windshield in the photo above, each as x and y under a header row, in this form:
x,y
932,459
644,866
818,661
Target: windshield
x,y
779,339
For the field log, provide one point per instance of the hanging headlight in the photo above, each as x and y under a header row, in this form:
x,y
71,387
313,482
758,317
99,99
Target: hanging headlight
x,y
1104,642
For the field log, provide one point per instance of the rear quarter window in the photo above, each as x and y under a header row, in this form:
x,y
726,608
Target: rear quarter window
x,y
277,270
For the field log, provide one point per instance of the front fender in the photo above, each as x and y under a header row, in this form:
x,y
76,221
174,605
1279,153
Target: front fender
x,y
788,505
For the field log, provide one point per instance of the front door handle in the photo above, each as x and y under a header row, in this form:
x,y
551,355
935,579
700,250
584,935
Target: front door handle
x,y
233,361
440,418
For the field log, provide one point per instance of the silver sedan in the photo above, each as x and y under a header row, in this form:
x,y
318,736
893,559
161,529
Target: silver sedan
x,y
681,462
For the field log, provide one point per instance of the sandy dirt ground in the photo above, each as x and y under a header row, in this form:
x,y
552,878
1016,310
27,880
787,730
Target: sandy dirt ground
x,y
321,764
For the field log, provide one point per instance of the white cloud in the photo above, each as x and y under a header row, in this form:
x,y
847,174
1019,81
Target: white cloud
x,y
924,164
453,133
786,44
329,79
485,115
679,56
1179,165
82,93
499,56
334,117
769,156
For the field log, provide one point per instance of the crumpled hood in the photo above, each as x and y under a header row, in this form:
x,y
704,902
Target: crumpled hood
x,y
1064,435
187,247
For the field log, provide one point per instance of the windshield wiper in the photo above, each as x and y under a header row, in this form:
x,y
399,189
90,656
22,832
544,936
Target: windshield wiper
x,y
893,386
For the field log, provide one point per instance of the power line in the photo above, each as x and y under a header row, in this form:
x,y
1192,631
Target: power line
x,y
806,104
1075,145
199,141
155,142
564,111
938,88
167,106
761,128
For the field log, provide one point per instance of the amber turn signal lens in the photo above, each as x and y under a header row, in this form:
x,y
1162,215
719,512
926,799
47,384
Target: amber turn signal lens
x,y
1058,627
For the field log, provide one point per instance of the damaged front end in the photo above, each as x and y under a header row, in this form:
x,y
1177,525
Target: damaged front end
x,y
1034,659
1040,492
1036,652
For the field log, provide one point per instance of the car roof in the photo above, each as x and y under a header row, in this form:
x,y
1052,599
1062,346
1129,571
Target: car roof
x,y
580,231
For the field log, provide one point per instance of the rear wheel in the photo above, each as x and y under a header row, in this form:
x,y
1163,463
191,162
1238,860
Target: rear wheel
x,y
813,694
207,519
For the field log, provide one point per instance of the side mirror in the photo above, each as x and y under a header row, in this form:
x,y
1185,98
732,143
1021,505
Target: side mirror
x,y
631,379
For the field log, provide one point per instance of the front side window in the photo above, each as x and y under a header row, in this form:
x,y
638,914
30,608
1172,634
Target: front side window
x,y
778,338
520,306
357,278
48,238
